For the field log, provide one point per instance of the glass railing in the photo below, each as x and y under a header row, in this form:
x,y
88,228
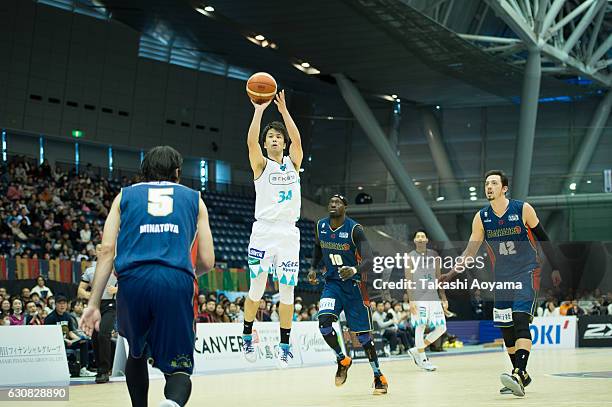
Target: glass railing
x,y
437,190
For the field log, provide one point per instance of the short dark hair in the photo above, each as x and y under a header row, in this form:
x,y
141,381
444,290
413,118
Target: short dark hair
x,y
502,175
418,231
278,126
160,164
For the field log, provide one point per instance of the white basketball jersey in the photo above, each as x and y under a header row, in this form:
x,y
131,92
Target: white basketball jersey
x,y
277,192
424,267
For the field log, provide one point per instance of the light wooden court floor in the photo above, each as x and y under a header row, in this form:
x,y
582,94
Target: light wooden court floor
x,y
461,380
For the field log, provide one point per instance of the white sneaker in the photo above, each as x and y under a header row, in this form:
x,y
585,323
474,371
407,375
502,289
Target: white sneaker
x,y
168,403
248,351
283,357
86,373
416,357
427,365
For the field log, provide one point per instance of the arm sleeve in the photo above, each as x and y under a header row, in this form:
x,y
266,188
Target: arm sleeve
x,y
365,252
547,247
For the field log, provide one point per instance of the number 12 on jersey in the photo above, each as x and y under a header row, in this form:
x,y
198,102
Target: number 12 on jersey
x,y
284,196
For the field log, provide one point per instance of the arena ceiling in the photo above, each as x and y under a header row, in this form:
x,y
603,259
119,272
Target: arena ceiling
x,y
386,47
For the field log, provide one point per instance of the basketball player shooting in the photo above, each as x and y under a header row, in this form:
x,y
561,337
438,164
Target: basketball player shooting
x,y
149,234
274,247
508,227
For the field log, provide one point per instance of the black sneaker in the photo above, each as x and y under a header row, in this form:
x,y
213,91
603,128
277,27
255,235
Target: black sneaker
x,y
526,381
343,367
514,382
102,378
380,385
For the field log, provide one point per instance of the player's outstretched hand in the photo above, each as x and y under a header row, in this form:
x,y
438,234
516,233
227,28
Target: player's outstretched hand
x,y
312,277
90,320
347,272
556,278
279,101
261,106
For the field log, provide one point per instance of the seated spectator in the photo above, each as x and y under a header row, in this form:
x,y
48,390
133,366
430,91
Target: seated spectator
x,y
77,310
575,310
263,315
33,314
220,314
50,304
551,310
235,314
25,293
6,308
3,292
274,317
564,307
41,289
384,323
72,340
17,317
208,312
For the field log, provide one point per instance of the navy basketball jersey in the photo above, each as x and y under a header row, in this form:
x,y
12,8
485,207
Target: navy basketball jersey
x,y
338,247
509,242
158,226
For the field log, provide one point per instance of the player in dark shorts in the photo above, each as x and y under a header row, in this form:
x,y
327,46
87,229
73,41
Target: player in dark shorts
x,y
509,228
347,256
149,234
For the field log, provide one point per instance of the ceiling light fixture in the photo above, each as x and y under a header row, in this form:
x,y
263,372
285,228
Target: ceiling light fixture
x,y
305,65
260,37
265,43
394,96
210,9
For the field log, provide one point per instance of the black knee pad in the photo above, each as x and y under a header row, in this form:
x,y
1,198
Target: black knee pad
x,y
325,323
178,388
521,325
509,336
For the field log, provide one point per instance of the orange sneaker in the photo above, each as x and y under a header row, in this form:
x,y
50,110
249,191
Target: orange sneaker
x,y
343,367
380,385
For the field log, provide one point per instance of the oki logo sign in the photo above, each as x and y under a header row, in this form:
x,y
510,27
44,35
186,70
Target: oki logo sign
x,y
553,332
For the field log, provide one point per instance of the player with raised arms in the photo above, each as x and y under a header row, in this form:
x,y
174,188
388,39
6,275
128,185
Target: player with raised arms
x,y
274,247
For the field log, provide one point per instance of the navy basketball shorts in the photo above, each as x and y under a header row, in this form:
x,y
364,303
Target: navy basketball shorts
x,y
350,297
516,300
156,314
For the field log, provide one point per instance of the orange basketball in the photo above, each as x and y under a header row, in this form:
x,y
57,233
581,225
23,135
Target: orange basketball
x,y
261,87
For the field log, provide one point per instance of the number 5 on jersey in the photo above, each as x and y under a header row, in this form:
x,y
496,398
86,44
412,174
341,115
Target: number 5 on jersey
x,y
161,202
284,196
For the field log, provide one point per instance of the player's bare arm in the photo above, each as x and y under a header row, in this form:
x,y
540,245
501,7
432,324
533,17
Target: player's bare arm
x,y
256,157
476,239
441,290
317,255
408,273
295,150
206,251
530,218
91,315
